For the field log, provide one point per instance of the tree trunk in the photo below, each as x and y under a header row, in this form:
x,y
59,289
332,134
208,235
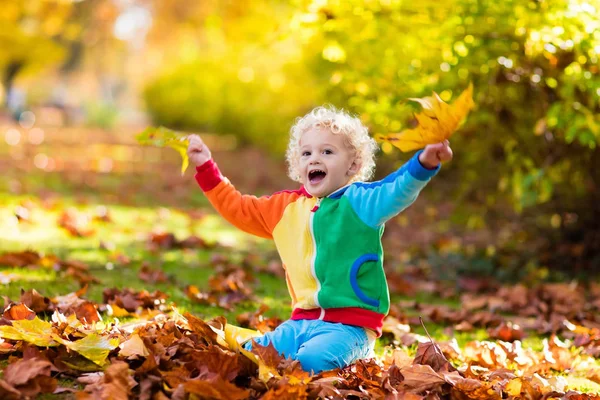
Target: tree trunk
x,y
8,77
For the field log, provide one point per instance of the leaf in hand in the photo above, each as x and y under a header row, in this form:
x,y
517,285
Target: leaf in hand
x,y
436,123
164,137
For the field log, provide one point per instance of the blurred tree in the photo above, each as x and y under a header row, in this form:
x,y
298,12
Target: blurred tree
x,y
535,134
532,142
238,70
38,34
26,37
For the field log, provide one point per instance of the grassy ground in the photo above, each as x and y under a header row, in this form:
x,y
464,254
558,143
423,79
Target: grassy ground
x,y
126,235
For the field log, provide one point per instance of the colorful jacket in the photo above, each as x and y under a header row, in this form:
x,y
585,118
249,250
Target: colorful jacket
x,y
330,247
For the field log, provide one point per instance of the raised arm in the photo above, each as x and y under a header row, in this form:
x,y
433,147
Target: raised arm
x,y
377,202
255,215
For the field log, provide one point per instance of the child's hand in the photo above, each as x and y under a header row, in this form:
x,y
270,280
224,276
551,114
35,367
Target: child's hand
x,y
433,154
197,151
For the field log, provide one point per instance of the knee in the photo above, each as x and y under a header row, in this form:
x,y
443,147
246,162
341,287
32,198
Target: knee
x,y
316,360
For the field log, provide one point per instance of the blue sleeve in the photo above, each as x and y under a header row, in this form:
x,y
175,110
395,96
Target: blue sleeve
x,y
377,202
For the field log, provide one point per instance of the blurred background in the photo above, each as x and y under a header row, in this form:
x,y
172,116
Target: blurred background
x,y
520,201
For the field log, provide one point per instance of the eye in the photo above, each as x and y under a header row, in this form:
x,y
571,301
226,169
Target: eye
x,y
305,153
327,151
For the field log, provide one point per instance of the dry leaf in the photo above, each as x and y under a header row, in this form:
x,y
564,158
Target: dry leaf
x,y
134,346
236,336
164,137
115,384
35,331
429,353
93,347
419,378
18,312
436,123
35,301
218,389
29,377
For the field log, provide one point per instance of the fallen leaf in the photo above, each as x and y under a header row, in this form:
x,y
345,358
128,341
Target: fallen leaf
x,y
400,358
594,375
507,331
150,275
217,388
30,377
35,331
286,392
200,327
115,384
477,390
19,259
76,223
134,346
86,312
419,378
236,336
268,360
18,312
7,392
258,321
93,347
34,300
429,353
5,347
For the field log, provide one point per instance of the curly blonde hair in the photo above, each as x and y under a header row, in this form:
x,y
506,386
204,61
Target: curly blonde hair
x,y
339,122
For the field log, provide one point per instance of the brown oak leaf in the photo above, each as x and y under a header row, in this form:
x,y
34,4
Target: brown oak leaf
x,y
29,377
217,388
429,353
419,378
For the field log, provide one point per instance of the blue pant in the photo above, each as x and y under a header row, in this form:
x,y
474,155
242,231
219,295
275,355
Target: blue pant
x,y
318,345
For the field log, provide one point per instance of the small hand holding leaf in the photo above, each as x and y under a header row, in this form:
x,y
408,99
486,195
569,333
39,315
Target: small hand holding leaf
x,y
437,122
198,151
434,154
164,137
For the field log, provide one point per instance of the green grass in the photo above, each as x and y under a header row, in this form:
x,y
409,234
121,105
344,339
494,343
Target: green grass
x,y
127,236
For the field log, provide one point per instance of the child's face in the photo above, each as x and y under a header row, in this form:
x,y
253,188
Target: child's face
x,y
326,162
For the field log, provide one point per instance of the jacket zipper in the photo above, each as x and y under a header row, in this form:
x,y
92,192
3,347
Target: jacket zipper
x,y
312,264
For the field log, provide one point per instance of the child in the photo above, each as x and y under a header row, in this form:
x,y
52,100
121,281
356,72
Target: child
x,y
328,233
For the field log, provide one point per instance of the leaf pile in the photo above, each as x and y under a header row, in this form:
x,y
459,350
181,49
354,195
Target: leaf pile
x,y
228,285
170,356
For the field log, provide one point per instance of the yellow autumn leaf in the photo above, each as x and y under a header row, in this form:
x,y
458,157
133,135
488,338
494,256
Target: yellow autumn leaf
x,y
513,387
35,331
236,336
436,123
164,137
93,347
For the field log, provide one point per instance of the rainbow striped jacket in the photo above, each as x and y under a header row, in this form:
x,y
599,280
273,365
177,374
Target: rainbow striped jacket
x,y
330,247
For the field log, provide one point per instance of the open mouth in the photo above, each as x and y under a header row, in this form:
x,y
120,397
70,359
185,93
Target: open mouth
x,y
316,176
